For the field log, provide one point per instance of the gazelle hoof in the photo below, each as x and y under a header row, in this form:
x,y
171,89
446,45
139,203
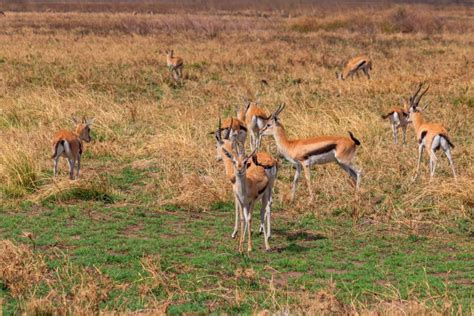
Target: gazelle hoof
x,y
234,234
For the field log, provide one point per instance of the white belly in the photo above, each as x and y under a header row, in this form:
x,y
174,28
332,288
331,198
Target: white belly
x,y
321,159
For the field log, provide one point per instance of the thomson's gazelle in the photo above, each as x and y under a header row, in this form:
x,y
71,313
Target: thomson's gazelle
x,y
354,65
69,145
303,153
433,136
251,184
175,64
398,119
260,159
255,118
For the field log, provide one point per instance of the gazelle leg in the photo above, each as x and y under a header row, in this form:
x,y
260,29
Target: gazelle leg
x,y
420,153
395,133
242,228
447,152
268,212
295,181
404,131
307,173
265,203
433,160
55,162
236,225
248,223
71,168
366,71
78,166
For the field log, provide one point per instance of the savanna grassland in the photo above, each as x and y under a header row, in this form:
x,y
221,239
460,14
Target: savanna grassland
x,y
146,228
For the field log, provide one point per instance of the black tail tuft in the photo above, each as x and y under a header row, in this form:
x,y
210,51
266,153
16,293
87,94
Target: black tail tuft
x,y
355,140
55,149
448,140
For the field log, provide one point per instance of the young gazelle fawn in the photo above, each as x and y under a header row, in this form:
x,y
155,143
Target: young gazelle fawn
x,y
69,145
433,136
303,153
398,117
175,65
261,160
255,118
353,66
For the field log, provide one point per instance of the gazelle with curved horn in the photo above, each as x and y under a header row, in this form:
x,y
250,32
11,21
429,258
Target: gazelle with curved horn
x,y
260,161
354,65
433,136
69,145
255,118
398,117
303,153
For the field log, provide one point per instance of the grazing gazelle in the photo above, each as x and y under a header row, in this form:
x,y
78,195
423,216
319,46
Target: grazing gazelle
x,y
175,64
303,153
398,117
255,119
69,145
354,65
260,159
433,136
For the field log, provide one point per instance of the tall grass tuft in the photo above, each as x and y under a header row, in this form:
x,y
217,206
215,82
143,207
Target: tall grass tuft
x,y
19,171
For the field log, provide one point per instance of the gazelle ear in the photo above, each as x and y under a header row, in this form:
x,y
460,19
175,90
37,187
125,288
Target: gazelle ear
x,y
90,121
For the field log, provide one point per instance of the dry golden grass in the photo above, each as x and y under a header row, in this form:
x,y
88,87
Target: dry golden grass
x,y
112,67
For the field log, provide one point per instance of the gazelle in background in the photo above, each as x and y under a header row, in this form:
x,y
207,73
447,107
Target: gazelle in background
x,y
69,145
433,136
255,118
259,160
354,65
233,129
398,117
175,64
303,153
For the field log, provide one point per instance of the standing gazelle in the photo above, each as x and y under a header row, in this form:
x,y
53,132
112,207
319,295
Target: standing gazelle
x,y
255,118
69,145
251,184
398,117
303,153
260,159
354,65
175,64
433,136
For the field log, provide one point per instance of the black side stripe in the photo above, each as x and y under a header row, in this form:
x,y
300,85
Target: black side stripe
x,y
361,64
255,161
423,135
320,151
262,190
447,139
262,117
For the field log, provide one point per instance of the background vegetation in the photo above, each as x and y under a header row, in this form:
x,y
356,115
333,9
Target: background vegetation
x,y
147,227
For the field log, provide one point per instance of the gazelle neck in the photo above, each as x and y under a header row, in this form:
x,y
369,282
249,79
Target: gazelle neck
x,y
240,186
281,140
417,120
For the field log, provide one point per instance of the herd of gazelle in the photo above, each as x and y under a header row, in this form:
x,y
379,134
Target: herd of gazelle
x,y
253,176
